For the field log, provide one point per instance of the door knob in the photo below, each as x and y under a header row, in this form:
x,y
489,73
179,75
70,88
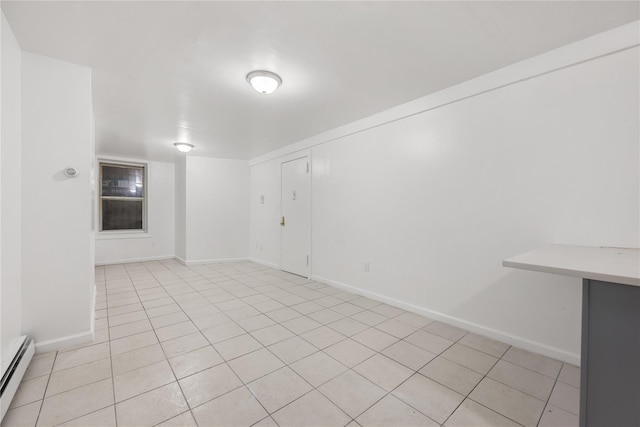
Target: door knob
x,y
282,222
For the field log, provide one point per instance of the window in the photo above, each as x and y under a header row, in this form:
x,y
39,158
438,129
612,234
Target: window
x,y
122,197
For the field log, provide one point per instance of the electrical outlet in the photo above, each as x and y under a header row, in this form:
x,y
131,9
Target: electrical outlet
x,y
367,266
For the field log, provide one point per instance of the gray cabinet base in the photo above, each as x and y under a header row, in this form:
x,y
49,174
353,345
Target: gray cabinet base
x,y
610,359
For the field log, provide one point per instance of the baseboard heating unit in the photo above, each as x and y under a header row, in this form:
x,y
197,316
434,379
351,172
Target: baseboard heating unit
x,y
13,369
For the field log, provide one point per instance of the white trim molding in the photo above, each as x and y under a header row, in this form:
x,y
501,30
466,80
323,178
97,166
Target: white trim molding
x,y
64,342
265,263
191,263
533,346
132,260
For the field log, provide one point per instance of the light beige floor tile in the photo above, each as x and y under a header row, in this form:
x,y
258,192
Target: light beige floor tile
x,y
278,388
23,416
202,311
75,403
133,342
174,331
292,349
101,314
266,422
307,307
209,384
349,352
432,399
386,310
369,318
122,302
242,313
238,346
484,344
300,325
329,301
121,319
508,401
223,332
141,380
195,361
408,354
428,341
325,316
101,324
570,375
157,303
129,329
311,410
272,334
566,397
283,314
183,420
323,337
78,376
470,414
348,326
184,344
163,310
72,358
352,393
102,418
383,371
472,359
413,319
375,339
29,391
347,309
452,375
556,417
255,322
254,365
532,383
391,411
129,308
169,319
212,320
318,368
395,328
443,330
135,359
151,408
535,362
238,409
268,306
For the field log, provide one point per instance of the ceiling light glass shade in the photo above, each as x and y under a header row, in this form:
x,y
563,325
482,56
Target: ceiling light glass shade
x,y
264,82
183,147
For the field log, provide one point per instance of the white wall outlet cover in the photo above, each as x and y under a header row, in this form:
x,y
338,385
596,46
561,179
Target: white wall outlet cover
x,y
71,172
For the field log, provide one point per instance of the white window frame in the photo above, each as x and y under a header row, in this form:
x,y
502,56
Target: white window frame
x,y
145,191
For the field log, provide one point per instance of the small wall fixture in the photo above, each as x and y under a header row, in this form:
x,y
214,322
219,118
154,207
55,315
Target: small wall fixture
x,y
183,147
264,82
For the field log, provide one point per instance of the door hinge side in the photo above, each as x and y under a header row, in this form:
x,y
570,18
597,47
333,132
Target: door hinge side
x,y
307,260
307,167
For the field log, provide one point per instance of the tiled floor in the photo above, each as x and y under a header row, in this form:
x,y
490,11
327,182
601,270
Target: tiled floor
x,y
239,344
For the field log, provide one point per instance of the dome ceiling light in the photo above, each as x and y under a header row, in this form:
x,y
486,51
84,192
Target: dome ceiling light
x,y
183,147
264,82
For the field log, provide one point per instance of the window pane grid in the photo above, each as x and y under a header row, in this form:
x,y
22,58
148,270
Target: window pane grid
x,y
122,197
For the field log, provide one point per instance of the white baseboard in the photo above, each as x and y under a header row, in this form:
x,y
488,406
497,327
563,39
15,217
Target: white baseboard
x,y
265,263
130,260
64,342
191,263
516,341
15,370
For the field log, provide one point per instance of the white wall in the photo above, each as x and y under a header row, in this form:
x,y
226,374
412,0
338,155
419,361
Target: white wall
x,y
217,209
436,198
158,242
181,208
10,157
57,264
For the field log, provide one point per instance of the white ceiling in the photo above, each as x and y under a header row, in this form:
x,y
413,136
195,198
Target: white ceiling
x,y
168,71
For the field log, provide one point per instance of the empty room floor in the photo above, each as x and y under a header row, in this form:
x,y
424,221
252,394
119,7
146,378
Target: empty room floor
x,y
240,344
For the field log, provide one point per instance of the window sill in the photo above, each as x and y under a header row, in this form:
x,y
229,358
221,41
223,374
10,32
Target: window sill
x,y
101,235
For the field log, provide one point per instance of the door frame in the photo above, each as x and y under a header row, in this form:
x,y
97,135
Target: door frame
x,y
290,159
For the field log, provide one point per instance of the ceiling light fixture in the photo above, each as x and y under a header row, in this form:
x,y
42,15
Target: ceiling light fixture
x,y
264,82
183,147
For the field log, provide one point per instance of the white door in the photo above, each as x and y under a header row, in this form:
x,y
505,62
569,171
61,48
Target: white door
x,y
296,217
